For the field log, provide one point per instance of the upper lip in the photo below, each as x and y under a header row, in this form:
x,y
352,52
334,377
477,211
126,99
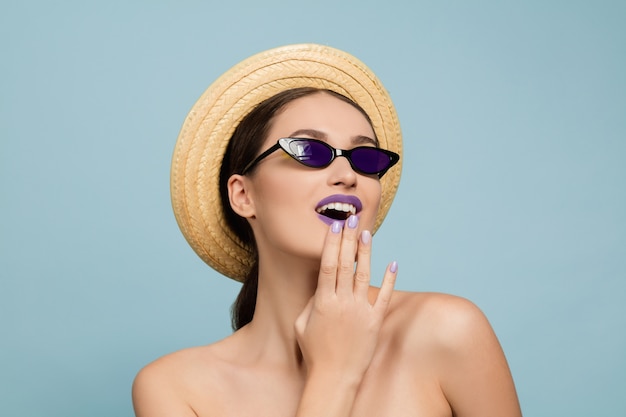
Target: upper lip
x,y
341,198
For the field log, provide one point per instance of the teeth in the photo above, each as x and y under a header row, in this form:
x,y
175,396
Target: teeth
x,y
345,207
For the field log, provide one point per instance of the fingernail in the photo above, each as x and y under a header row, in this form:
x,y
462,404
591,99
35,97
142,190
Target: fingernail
x,y
366,236
393,267
335,227
353,221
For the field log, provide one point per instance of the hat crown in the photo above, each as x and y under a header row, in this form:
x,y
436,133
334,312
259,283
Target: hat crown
x,y
206,131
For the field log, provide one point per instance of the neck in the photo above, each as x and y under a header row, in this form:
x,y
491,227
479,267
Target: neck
x,y
284,290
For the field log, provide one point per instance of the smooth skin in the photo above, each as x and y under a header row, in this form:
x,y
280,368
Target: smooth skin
x,y
323,342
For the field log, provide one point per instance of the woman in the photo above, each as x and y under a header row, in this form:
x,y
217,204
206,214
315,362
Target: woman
x,y
304,176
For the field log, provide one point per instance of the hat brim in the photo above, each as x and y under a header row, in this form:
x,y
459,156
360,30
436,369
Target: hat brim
x,y
212,120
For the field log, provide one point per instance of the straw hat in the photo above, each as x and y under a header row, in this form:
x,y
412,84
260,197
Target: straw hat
x,y
210,124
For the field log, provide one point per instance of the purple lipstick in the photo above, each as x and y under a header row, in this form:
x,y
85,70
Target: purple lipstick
x,y
338,207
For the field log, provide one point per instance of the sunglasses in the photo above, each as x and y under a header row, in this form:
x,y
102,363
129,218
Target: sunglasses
x,y
367,160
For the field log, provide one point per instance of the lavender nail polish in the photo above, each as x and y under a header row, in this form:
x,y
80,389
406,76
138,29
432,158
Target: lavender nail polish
x,y
393,267
335,227
353,221
366,236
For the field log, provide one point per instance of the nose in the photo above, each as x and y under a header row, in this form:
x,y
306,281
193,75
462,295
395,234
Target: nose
x,y
341,173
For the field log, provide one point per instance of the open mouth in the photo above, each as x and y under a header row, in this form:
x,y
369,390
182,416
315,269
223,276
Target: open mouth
x,y
338,207
337,211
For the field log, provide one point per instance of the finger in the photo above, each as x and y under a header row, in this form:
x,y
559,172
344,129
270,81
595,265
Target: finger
x,y
386,289
347,256
327,280
362,274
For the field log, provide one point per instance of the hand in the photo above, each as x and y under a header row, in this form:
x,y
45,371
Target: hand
x,y
338,330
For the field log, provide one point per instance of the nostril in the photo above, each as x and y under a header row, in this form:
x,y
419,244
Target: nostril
x,y
346,183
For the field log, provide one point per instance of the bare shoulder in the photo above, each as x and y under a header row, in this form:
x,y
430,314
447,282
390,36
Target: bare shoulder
x,y
437,330
451,338
452,322
170,385
448,320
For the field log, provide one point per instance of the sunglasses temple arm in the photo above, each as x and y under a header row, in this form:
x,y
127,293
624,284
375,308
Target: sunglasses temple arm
x,y
259,158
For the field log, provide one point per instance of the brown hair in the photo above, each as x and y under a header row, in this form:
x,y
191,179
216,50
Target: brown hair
x,y
244,145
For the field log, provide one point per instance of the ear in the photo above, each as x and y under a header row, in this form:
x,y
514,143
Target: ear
x,y
239,196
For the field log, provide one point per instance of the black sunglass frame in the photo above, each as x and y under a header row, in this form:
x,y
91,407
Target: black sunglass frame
x,y
283,143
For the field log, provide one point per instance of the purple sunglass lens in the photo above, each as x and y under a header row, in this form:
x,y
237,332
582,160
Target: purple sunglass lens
x,y
370,160
314,154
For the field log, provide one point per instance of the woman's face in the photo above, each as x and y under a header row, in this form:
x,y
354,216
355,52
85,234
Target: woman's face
x,y
289,199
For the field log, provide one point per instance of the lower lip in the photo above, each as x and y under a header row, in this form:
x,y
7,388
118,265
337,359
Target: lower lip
x,y
330,221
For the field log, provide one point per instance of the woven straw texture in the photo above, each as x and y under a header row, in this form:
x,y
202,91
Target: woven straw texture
x,y
212,120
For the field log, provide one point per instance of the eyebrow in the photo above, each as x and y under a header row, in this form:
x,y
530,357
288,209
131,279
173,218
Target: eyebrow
x,y
319,135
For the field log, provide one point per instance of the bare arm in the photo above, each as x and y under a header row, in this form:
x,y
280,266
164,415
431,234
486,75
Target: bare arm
x,y
155,394
475,376
338,330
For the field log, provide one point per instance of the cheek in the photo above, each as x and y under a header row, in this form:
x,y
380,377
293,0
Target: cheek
x,y
374,194
281,195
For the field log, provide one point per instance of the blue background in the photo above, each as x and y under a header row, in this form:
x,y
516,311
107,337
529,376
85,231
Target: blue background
x,y
513,191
